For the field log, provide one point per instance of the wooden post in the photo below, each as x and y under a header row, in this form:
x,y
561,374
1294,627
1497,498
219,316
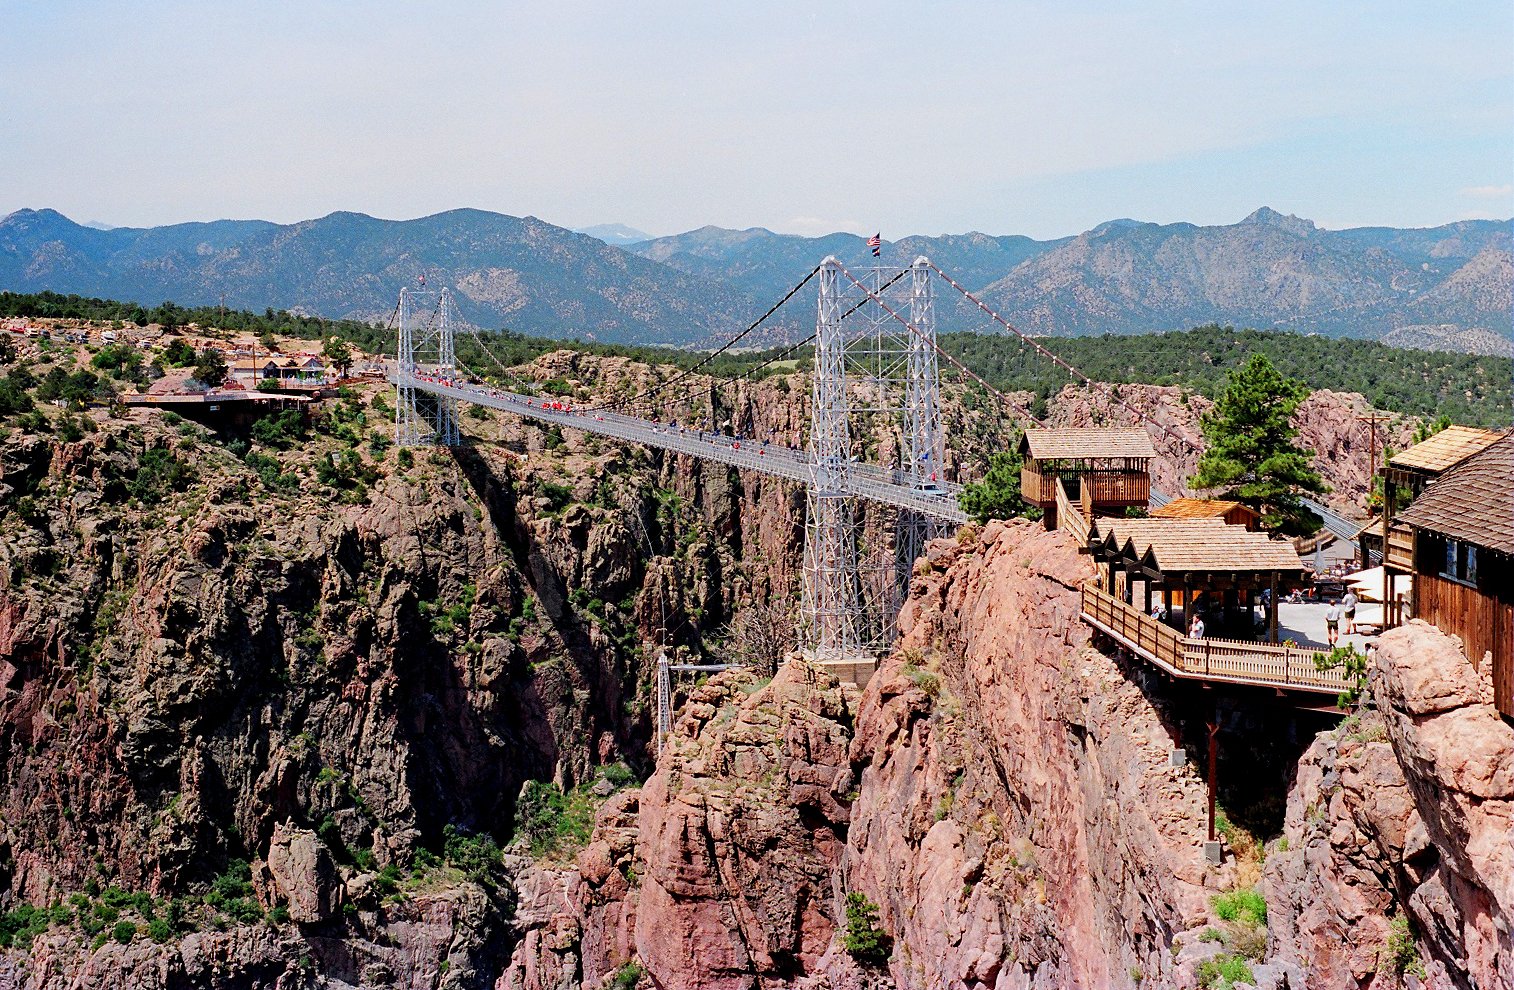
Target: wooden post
x,y
1272,611
1147,582
1213,727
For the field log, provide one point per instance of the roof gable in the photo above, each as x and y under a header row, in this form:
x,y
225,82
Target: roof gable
x,y
1473,502
1046,445
1445,449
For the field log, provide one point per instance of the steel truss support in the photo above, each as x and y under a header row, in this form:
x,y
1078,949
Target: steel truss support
x,y
924,441
854,581
831,610
425,350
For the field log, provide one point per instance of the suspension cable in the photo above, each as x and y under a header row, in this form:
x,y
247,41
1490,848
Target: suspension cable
x,y
714,354
939,349
1099,387
794,347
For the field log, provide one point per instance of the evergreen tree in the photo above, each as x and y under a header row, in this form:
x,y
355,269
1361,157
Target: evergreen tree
x,y
997,496
211,369
1251,455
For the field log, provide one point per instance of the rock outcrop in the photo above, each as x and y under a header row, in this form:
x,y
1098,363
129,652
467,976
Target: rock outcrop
x,y
1404,813
1019,823
733,854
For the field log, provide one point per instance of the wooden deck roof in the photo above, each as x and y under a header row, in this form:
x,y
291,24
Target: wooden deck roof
x,y
1046,445
1199,508
1450,446
1473,502
1185,546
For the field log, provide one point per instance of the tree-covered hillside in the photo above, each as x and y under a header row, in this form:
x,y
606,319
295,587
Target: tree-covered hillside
x,y
1468,388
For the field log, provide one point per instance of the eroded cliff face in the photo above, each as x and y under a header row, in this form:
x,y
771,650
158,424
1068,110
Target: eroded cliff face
x,y
1019,823
1405,812
222,670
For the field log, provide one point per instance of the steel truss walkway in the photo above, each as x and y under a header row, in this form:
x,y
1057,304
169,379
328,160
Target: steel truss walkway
x,y
869,481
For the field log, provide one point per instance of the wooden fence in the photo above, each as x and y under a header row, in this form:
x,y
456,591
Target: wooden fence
x,y
1484,624
1229,660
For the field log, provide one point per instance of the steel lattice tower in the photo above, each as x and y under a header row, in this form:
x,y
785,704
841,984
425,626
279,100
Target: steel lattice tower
x,y
425,349
924,441
854,580
831,611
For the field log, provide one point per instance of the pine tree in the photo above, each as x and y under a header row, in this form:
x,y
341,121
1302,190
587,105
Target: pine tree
x,y
1251,453
997,496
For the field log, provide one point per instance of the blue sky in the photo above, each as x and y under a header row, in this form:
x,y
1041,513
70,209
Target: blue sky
x,y
1040,118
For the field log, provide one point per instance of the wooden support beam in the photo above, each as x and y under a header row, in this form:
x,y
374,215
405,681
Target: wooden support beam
x,y
1272,611
1213,727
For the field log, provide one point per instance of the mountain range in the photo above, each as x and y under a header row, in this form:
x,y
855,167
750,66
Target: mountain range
x,y
1450,287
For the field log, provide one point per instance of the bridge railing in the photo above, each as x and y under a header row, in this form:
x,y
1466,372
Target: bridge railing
x,y
1228,660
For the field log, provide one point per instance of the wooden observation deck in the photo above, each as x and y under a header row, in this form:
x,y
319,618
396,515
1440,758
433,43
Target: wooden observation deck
x,y
1100,469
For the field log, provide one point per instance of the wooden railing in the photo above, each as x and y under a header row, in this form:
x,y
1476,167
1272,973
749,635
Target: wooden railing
x,y
1071,517
1229,660
1102,487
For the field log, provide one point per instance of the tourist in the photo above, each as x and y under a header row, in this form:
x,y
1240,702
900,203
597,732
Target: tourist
x,y
1196,631
1333,623
1348,609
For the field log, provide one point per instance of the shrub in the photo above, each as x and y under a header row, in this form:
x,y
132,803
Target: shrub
x,y
627,976
124,932
1219,972
476,855
864,941
159,930
158,472
550,819
1245,906
1402,952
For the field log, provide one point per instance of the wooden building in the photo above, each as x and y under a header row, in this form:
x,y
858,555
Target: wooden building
x,y
1234,513
1185,561
1429,459
1457,539
1104,471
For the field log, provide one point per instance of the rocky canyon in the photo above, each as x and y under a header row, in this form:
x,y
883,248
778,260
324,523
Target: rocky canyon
x,y
390,722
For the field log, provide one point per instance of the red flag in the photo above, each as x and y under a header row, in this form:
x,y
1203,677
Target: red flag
x,y
876,243
423,280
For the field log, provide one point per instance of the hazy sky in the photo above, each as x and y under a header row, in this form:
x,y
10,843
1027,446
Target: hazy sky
x,y
927,117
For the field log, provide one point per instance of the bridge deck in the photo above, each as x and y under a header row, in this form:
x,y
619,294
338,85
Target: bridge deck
x,y
869,481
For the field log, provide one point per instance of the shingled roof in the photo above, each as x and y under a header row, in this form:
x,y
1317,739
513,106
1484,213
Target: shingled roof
x,y
1199,508
1046,445
1473,502
1189,545
1447,448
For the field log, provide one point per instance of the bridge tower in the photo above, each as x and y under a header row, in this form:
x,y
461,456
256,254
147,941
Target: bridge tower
x,y
425,348
831,612
924,441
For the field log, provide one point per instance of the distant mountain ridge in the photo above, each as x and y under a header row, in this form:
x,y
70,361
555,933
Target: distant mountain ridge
x,y
520,273
1450,286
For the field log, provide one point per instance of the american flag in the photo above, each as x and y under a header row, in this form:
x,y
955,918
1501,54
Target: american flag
x,y
876,243
423,280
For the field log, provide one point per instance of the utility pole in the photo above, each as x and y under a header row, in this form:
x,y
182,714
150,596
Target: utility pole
x,y
1372,419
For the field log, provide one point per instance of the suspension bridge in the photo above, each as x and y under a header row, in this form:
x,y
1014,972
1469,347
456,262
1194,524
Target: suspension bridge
x,y
887,369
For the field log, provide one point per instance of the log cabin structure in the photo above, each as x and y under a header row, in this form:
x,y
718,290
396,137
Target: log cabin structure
x,y
1104,471
1457,540
1234,513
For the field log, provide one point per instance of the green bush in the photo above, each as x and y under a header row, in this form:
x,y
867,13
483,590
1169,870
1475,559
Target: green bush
x,y
1244,906
1219,972
159,930
1403,953
551,820
232,892
159,472
864,941
124,932
627,976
